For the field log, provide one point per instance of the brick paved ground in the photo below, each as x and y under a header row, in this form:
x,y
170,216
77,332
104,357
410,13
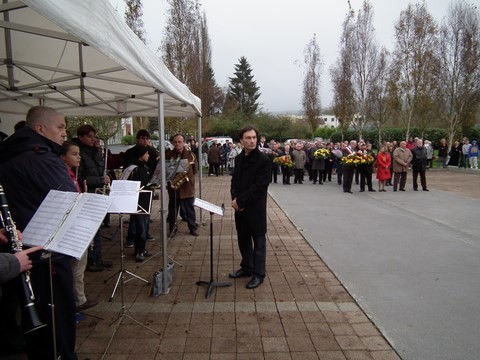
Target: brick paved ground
x,y
300,312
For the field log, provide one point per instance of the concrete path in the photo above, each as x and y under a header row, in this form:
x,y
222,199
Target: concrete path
x,y
410,259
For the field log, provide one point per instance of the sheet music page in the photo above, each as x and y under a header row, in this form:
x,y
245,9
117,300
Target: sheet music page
x,y
66,222
51,213
124,195
81,225
208,206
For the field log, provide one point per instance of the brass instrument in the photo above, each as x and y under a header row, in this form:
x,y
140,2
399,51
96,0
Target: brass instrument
x,y
181,177
27,298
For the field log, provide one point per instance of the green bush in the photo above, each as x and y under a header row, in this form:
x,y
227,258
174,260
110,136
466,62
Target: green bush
x,y
128,140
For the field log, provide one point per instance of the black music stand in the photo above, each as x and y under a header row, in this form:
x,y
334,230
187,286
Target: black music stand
x,y
212,209
124,311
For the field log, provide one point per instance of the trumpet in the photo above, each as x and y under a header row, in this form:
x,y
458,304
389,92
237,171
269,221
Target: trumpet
x,y
27,296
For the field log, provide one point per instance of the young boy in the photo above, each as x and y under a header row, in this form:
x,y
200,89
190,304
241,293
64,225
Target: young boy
x,y
140,173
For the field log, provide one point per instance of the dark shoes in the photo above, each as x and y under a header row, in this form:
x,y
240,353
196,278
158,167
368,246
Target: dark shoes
x,y
239,273
86,305
139,257
255,282
95,268
426,189
372,190
105,264
194,232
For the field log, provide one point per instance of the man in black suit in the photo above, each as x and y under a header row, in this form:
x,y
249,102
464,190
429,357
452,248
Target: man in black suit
x,y
251,176
348,171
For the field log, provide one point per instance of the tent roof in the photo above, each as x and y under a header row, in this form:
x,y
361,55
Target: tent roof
x,y
80,58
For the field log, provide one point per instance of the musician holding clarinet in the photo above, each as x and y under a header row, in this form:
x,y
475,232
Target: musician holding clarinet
x,y
11,265
30,166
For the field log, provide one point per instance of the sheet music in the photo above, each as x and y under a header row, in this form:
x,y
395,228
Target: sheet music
x,y
208,206
66,222
124,195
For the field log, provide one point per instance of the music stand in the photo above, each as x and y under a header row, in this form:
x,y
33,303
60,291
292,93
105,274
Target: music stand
x,y
212,209
124,194
127,188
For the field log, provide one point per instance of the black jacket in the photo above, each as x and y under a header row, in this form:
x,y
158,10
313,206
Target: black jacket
x,y
30,166
250,180
142,174
92,166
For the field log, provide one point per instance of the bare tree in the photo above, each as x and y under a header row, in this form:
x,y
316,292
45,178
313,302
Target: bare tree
x,y
379,104
341,75
364,55
458,75
414,60
311,84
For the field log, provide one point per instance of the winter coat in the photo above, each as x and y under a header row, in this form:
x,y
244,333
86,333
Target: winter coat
x,y
141,173
383,166
473,149
187,190
92,166
250,180
299,159
214,155
419,159
30,166
401,159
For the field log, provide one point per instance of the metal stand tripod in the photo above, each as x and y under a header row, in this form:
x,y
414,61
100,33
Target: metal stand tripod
x,y
124,311
121,273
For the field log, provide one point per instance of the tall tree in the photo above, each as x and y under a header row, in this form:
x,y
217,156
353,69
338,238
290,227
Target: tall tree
x,y
243,90
414,61
364,56
311,83
341,75
379,103
133,17
181,38
188,55
458,76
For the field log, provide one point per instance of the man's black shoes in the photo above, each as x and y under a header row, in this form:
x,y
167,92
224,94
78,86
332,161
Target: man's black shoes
x,y
255,282
239,273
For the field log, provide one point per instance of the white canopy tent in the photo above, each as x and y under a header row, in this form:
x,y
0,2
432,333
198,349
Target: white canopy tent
x,y
81,58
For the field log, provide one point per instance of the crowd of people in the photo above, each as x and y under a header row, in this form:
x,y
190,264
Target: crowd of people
x,y
357,161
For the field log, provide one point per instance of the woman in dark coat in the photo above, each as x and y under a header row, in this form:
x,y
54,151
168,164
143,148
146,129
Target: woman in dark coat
x,y
455,154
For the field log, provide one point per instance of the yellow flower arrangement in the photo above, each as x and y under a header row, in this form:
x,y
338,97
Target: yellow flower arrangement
x,y
321,153
284,160
357,159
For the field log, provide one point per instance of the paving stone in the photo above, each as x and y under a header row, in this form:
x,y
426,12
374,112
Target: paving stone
x,y
274,344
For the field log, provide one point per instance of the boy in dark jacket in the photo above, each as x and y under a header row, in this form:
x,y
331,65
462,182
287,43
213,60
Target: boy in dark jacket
x,y
142,174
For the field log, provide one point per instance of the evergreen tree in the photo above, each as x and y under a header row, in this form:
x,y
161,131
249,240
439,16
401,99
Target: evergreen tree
x,y
243,90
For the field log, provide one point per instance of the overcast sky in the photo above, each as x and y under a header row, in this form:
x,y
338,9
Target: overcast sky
x,y
272,35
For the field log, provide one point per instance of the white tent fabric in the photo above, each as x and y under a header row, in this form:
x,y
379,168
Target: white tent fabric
x,y
81,58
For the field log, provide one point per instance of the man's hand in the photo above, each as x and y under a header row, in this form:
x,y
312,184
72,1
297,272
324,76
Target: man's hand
x,y
4,238
235,205
106,179
24,260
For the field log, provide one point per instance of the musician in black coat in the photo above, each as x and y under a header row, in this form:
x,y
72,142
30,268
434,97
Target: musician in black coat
x,y
30,166
250,180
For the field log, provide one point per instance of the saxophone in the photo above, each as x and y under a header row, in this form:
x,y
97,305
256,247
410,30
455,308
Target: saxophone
x,y
182,176
27,298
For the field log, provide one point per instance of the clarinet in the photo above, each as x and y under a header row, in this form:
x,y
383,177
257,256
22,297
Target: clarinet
x,y
27,298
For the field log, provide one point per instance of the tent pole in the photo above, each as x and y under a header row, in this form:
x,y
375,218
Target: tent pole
x,y
163,189
200,162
